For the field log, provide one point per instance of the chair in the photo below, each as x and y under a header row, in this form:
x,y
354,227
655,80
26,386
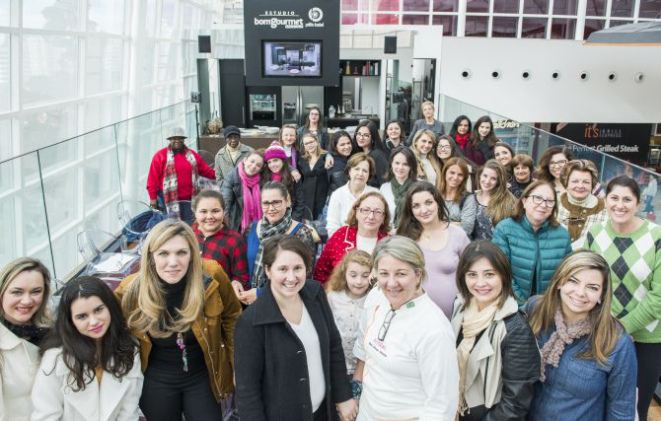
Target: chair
x,y
137,218
106,256
208,157
180,209
207,184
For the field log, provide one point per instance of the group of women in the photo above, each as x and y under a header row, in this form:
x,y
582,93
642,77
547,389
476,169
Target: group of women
x,y
448,288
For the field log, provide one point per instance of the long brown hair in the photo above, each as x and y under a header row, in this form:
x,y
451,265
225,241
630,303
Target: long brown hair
x,y
501,201
431,156
14,268
408,225
442,183
605,330
338,279
543,171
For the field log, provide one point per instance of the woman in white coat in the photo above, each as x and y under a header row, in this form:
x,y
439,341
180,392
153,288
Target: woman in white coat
x,y
91,367
24,290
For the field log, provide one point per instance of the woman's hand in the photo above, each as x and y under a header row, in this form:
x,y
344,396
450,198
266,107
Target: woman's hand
x,y
348,410
238,289
296,175
329,161
249,296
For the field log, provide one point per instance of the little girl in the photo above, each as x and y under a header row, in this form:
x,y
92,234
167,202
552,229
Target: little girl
x,y
347,288
91,367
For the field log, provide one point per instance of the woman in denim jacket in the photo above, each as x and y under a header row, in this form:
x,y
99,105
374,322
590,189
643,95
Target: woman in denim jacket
x,y
588,360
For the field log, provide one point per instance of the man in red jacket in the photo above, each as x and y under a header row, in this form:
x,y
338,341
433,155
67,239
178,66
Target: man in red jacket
x,y
174,173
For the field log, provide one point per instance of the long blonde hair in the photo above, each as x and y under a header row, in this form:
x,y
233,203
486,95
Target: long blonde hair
x,y
431,156
14,268
144,303
320,152
501,201
605,330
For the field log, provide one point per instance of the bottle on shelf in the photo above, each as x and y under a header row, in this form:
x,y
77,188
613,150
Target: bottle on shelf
x,y
348,69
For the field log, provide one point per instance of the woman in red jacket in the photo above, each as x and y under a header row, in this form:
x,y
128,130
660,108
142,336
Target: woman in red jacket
x,y
174,173
368,223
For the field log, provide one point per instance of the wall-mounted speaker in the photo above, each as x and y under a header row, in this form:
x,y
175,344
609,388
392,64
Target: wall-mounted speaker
x,y
204,43
390,45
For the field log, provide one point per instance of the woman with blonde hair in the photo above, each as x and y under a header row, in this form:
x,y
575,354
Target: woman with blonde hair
x,y
314,186
182,309
424,144
24,293
494,201
459,202
588,359
427,123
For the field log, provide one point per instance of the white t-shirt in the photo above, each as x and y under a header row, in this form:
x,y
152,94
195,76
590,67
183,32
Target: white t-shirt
x,y
366,244
339,206
347,313
413,372
307,333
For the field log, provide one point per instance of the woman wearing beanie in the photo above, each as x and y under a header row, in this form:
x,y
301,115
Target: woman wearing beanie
x,y
315,175
278,169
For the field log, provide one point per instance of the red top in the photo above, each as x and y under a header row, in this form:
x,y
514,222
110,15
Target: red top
x,y
184,173
462,140
340,243
228,248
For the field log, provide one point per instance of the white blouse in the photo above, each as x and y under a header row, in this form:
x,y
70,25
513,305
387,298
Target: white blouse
x,y
347,313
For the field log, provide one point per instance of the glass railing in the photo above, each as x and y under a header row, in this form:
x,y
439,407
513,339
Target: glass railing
x,y
524,138
51,195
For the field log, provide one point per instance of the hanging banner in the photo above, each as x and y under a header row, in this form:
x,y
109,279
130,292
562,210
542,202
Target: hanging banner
x,y
292,42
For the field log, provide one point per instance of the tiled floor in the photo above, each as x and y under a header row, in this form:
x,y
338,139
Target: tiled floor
x,y
654,413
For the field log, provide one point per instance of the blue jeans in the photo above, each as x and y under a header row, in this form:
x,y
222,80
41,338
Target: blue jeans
x,y
648,204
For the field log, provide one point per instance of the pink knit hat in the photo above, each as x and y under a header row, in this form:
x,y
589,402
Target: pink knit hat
x,y
275,151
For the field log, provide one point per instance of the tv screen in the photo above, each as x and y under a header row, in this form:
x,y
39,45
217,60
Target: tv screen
x,y
291,59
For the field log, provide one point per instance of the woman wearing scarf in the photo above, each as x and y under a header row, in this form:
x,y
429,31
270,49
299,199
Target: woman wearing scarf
x,y
588,360
174,173
277,220
498,357
24,293
241,192
461,131
403,171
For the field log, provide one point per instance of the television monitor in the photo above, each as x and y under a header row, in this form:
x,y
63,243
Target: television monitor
x,y
295,59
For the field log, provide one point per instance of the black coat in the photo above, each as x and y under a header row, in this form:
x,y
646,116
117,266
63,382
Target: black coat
x,y
314,185
336,176
270,362
381,160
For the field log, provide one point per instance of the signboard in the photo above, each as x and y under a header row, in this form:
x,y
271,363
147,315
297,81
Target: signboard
x,y
292,42
630,142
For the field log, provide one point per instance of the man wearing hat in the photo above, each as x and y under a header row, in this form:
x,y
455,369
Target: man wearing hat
x,y
230,154
174,174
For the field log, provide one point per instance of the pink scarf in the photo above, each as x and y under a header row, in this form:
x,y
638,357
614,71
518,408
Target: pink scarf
x,y
276,176
252,200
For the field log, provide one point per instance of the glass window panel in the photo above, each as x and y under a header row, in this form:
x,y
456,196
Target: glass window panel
x,y
623,8
649,9
476,26
415,20
61,202
563,28
146,63
101,178
416,5
449,24
446,5
504,27
168,18
565,7
536,7
5,12
350,5
596,8
354,18
506,6
5,74
150,19
6,152
477,6
386,5
50,68
42,128
102,112
534,27
105,16
167,61
103,67
618,22
592,25
383,19
51,14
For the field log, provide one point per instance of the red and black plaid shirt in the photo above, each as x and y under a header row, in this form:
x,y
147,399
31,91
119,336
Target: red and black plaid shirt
x,y
228,248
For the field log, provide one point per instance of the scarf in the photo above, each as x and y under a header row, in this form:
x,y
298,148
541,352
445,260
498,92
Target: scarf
x,y
475,321
30,333
276,177
589,202
292,154
564,335
462,139
170,184
399,191
267,231
252,198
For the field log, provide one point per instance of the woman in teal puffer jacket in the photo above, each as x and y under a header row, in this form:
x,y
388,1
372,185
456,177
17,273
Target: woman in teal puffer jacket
x,y
533,240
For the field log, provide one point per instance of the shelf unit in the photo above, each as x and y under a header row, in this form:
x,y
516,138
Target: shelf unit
x,y
360,67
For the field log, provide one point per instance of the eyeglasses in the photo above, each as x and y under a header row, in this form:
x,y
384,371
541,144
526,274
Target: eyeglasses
x,y
538,200
386,324
363,135
277,204
557,163
309,143
442,147
378,213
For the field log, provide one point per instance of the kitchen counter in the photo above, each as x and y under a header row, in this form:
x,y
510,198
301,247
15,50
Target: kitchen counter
x,y
213,143
346,120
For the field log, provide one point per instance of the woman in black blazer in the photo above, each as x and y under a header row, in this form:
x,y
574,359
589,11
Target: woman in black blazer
x,y
314,188
289,362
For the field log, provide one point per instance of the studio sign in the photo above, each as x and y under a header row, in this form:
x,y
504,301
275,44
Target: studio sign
x,y
288,19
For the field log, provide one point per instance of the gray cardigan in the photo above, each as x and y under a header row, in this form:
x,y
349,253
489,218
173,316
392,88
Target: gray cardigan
x,y
464,212
224,165
437,128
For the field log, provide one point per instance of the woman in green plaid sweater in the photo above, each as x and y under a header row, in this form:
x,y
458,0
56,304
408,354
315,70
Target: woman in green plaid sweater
x,y
632,247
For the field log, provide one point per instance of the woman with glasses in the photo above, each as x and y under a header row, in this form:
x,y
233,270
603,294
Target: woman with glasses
x,y
533,240
313,124
315,176
632,248
289,357
425,220
368,223
497,352
588,360
578,208
407,368
523,167
359,169
551,165
368,141
241,192
427,123
403,172
429,169
277,220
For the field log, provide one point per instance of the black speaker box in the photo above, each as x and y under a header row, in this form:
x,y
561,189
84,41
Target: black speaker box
x,y
390,45
204,43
